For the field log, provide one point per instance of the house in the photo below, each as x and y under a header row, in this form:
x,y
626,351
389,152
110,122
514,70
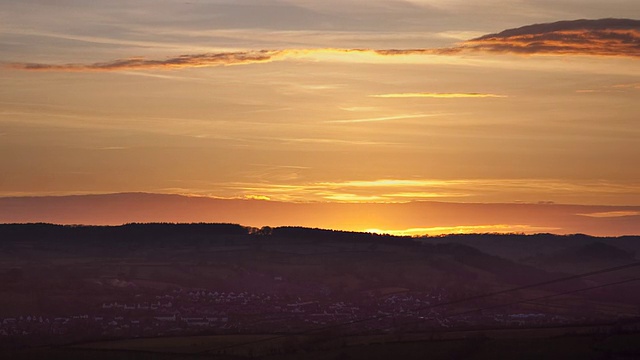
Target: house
x,y
166,318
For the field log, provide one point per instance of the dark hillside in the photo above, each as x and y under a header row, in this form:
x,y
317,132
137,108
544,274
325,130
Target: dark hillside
x,y
73,284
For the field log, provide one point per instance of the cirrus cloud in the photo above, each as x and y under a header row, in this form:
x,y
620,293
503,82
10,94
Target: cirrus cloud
x,y
612,214
438,95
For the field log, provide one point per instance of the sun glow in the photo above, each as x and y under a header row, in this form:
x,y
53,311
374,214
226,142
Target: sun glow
x,y
470,229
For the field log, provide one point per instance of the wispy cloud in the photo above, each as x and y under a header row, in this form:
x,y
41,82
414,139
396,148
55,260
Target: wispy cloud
x,y
407,190
113,148
194,60
354,198
612,214
438,95
360,108
96,39
183,61
635,86
329,141
403,183
385,118
604,37
617,88
417,195
257,197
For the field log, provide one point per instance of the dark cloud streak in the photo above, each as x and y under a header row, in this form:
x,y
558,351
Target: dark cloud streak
x,y
604,37
197,60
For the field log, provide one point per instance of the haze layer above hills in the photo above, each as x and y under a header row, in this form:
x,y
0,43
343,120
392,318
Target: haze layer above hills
x,y
413,218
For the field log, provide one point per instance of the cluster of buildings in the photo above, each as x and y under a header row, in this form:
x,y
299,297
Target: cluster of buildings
x,y
209,311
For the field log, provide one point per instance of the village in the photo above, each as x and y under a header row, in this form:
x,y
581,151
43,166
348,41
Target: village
x,y
208,311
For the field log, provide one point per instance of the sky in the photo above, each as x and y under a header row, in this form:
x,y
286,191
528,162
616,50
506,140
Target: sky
x,y
300,101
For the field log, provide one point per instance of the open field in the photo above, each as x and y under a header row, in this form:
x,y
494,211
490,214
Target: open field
x,y
566,343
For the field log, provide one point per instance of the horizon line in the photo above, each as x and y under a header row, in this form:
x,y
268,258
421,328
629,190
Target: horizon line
x,y
362,232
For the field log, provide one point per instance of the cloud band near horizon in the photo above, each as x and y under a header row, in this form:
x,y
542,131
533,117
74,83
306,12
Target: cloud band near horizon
x,y
604,37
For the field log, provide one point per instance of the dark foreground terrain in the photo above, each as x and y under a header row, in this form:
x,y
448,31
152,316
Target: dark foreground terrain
x,y
223,291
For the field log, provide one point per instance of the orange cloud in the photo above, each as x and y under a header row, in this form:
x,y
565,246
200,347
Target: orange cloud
x,y
604,37
191,60
182,61
436,51
612,214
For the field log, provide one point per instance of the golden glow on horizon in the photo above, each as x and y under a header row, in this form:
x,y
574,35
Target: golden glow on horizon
x,y
469,229
257,197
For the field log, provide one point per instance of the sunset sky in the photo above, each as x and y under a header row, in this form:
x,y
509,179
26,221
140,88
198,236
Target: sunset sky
x,y
334,101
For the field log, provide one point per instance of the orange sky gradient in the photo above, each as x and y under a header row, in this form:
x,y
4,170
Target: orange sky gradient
x,y
382,117
432,218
